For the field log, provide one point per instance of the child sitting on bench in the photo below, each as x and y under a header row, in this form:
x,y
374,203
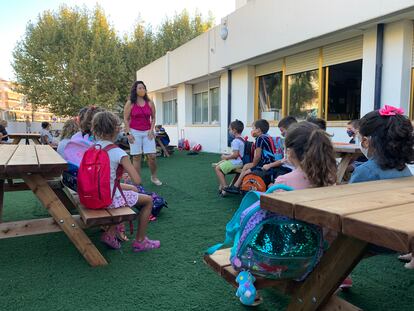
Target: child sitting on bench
x,y
230,162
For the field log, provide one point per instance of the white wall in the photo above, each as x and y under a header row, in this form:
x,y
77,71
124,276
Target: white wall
x,y
396,70
20,127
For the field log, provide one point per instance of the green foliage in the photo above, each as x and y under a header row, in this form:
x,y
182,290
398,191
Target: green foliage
x,y
73,58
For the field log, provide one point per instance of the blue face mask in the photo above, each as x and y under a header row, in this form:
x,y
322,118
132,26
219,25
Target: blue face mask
x,y
231,135
350,133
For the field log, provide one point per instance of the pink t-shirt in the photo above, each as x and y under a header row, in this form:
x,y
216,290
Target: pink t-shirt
x,y
140,117
295,179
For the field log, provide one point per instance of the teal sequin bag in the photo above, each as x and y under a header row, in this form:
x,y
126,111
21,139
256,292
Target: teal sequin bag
x,y
271,245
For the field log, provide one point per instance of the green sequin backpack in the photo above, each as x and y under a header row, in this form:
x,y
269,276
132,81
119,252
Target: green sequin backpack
x,y
271,245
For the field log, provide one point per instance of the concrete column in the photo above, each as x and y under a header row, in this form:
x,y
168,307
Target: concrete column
x,y
184,105
368,70
157,99
224,82
243,95
396,71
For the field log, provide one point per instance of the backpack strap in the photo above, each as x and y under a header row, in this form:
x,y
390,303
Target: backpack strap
x,y
117,183
244,142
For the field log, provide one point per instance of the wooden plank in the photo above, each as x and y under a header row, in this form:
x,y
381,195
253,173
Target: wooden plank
x,y
31,227
65,220
24,135
390,227
342,167
219,260
335,303
50,162
346,148
94,217
329,212
23,161
21,186
1,198
6,152
343,255
284,202
122,214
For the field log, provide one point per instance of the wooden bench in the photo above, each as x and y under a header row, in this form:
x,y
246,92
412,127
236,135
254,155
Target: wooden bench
x,y
220,263
89,217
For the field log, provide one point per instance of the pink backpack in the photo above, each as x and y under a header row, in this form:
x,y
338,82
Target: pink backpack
x,y
76,148
94,178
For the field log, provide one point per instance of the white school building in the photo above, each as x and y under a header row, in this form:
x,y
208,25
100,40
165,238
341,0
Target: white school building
x,y
270,58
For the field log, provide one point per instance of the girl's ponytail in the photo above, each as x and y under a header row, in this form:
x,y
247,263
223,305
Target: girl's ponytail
x,y
319,162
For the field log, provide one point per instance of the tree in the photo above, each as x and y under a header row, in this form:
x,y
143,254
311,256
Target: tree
x,y
73,58
69,60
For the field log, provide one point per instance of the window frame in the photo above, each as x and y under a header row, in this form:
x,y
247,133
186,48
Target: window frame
x,y
173,113
208,94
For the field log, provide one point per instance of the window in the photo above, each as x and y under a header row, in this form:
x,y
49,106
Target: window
x,y
270,96
215,105
169,111
344,91
206,107
303,94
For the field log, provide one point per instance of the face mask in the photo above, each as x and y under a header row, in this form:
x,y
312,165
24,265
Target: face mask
x,y
231,135
350,133
363,150
141,93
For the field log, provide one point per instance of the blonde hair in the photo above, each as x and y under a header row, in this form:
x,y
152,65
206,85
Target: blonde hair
x,y
105,124
69,129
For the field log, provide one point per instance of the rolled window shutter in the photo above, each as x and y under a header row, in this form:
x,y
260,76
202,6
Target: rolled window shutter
x,y
268,68
343,51
301,62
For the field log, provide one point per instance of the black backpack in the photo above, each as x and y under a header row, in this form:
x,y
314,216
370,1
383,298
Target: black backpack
x,y
248,153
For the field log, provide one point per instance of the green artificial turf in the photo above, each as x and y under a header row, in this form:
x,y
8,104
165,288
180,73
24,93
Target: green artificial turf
x,y
46,272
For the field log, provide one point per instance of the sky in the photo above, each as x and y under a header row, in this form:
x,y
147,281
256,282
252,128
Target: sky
x,y
123,14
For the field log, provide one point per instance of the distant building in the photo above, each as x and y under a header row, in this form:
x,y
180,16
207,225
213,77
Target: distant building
x,y
14,107
333,59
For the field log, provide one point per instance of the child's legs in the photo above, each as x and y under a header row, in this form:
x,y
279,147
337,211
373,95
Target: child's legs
x,y
220,176
145,202
136,162
243,173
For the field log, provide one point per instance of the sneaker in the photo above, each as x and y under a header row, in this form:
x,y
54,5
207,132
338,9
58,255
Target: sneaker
x,y
110,240
145,245
232,189
152,218
156,181
346,284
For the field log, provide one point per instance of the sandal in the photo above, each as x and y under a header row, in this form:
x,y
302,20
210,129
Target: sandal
x,y
120,233
145,245
152,218
110,240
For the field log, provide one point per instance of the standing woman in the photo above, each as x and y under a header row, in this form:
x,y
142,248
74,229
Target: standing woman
x,y
139,117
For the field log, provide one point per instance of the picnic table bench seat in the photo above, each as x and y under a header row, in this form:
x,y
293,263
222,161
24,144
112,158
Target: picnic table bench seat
x,y
90,217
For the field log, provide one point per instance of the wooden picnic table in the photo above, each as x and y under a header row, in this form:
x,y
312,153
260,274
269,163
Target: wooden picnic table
x,y
379,212
348,153
17,137
36,164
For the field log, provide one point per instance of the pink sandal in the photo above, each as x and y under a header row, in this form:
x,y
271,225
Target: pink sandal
x,y
110,240
145,245
120,233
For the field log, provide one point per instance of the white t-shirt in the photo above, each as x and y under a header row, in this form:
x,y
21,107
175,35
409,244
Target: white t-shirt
x,y
115,157
237,145
44,132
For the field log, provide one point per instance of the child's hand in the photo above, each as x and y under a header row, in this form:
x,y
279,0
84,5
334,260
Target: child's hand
x,y
266,167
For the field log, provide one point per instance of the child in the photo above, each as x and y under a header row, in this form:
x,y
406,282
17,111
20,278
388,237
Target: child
x,y
386,139
45,136
234,160
4,136
105,128
321,123
282,166
351,130
310,150
69,129
263,153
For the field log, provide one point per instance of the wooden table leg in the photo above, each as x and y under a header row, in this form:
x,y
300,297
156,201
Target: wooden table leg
x,y
1,198
343,165
64,219
36,141
16,140
335,265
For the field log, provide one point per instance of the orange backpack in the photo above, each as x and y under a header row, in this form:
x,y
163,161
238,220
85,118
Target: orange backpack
x,y
253,182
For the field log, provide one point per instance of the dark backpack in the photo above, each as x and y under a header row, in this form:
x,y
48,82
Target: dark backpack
x,y
248,153
158,202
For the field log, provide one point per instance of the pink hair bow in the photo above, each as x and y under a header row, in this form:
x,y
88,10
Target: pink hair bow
x,y
390,111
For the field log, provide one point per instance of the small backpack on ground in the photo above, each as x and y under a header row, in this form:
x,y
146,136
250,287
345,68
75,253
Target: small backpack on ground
x,y
271,245
94,178
158,202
